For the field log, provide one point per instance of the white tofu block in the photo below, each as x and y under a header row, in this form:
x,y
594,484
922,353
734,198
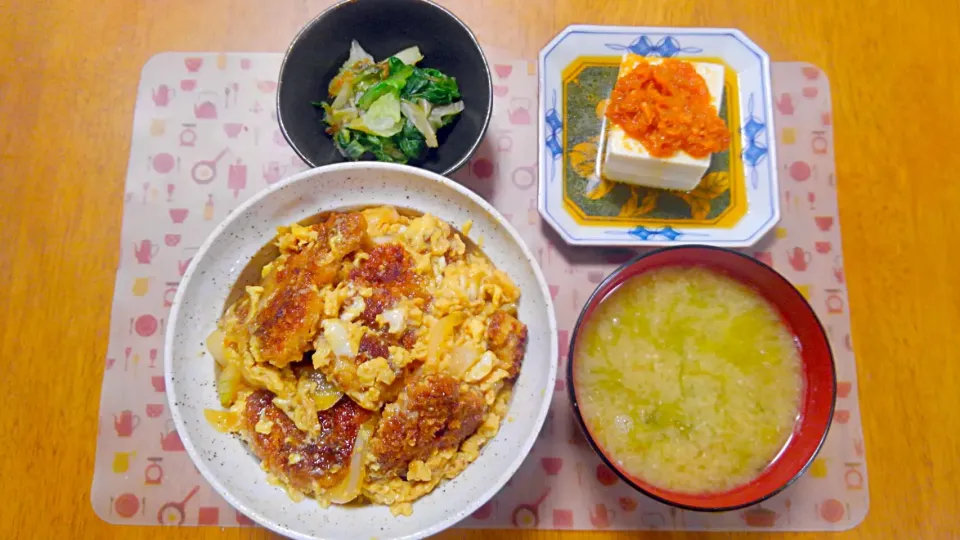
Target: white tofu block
x,y
626,160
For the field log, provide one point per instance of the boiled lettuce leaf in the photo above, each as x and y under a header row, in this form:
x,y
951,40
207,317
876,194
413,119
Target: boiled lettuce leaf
x,y
383,118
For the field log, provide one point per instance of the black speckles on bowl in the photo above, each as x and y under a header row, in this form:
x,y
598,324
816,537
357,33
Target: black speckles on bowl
x,y
383,27
227,464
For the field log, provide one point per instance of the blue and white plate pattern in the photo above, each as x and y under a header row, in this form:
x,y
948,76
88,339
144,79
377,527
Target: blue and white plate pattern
x,y
757,147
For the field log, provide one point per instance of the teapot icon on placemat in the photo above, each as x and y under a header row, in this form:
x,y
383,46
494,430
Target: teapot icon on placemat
x,y
799,259
125,422
162,95
170,441
785,104
206,109
145,251
519,112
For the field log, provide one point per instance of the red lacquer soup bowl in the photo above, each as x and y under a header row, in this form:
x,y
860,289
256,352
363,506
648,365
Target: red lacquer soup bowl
x,y
819,377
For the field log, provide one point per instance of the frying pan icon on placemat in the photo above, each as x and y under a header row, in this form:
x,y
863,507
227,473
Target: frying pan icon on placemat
x,y
205,170
527,516
174,513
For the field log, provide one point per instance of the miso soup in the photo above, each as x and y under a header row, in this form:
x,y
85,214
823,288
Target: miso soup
x,y
688,380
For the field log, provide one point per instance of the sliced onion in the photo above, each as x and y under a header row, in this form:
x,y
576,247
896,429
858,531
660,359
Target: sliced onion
x,y
338,337
349,489
395,319
439,335
425,105
437,114
462,358
419,120
222,421
346,90
376,216
215,345
228,384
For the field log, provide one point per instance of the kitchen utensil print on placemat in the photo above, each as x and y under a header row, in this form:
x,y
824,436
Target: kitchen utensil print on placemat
x,y
204,141
175,512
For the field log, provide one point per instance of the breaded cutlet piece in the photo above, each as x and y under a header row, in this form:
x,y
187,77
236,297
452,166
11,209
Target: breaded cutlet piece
x,y
289,309
433,412
285,451
507,338
388,272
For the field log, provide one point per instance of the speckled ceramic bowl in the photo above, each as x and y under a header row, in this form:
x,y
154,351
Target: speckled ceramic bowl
x,y
227,464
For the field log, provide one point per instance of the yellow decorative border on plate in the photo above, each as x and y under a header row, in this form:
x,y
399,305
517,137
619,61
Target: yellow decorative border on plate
x,y
729,217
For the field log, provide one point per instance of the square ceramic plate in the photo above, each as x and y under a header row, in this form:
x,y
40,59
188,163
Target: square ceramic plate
x,y
736,202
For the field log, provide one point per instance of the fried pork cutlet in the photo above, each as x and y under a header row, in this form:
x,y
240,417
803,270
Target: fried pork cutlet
x,y
388,272
507,338
434,412
287,453
290,305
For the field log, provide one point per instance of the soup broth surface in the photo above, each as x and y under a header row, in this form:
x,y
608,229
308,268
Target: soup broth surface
x,y
688,379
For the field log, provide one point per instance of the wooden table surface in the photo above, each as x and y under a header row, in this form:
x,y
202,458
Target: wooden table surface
x,y
66,102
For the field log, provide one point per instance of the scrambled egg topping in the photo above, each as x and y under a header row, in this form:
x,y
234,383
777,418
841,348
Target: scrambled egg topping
x,y
372,361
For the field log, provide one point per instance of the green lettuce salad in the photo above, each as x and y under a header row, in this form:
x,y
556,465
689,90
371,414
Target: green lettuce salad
x,y
390,110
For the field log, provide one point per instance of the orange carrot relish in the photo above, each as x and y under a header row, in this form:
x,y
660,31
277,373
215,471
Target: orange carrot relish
x,y
667,107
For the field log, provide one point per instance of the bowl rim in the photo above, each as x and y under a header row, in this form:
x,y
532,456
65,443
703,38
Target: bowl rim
x,y
594,298
344,3
361,166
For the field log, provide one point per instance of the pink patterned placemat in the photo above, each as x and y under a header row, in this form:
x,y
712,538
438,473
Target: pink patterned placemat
x,y
205,138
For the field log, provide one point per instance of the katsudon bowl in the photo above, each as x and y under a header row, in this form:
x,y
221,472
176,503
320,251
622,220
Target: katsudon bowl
x,y
228,464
